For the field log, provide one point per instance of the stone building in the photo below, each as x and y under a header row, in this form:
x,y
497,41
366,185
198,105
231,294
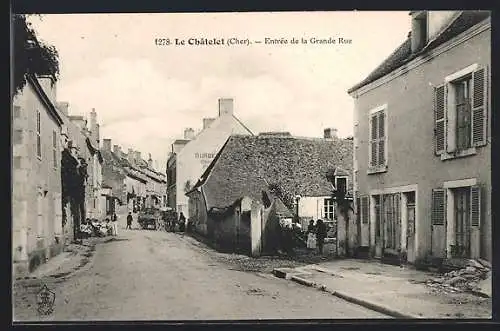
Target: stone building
x,y
36,178
291,168
422,140
190,156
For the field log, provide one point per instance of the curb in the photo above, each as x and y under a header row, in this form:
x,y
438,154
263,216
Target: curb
x,y
347,297
303,281
373,306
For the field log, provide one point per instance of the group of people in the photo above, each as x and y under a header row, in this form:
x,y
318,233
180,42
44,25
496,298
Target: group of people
x,y
180,224
316,234
99,228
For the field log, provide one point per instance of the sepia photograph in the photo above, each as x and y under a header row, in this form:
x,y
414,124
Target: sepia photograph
x,y
251,166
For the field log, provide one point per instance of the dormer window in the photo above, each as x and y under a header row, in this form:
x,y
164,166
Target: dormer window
x,y
419,31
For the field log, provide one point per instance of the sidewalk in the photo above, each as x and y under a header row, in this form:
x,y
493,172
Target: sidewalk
x,y
395,291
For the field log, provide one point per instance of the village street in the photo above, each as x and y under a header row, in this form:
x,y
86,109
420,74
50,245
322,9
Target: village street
x,y
155,275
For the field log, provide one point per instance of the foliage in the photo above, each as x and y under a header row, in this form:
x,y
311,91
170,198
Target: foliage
x,y
73,179
287,197
31,56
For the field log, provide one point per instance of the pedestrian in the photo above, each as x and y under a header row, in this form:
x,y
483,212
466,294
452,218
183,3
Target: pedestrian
x,y
182,222
311,235
114,224
129,221
320,235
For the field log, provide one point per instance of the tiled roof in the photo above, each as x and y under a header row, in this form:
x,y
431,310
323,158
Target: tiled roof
x,y
298,165
403,54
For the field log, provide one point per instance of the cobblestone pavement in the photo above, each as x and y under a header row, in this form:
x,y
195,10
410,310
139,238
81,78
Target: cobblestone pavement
x,y
152,275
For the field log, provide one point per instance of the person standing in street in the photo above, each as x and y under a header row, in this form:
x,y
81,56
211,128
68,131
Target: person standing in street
x,y
320,235
129,221
114,224
311,235
182,222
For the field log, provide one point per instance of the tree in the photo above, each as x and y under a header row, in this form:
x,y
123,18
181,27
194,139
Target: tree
x,y
31,56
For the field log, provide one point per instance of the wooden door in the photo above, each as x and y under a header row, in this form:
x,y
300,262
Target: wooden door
x,y
410,228
392,223
462,223
378,226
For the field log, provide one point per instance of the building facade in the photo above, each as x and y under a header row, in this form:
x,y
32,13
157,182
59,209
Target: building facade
x,y
422,140
83,139
192,155
291,168
134,182
36,175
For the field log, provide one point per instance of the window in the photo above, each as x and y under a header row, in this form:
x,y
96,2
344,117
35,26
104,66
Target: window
x,y
341,185
38,135
364,210
54,148
378,139
17,111
328,209
378,216
463,89
39,223
460,113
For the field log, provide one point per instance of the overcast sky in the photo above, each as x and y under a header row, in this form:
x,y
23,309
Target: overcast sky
x,y
145,95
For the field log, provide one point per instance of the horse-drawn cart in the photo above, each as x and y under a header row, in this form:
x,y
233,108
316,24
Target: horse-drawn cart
x,y
150,218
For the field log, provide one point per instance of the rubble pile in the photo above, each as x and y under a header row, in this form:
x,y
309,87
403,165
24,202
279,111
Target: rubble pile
x,y
465,279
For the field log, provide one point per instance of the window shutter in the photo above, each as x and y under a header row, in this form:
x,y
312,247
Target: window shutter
x,y
381,137
479,106
439,119
364,210
438,216
373,141
475,209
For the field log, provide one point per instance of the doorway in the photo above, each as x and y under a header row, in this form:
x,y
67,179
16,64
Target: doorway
x,y
462,247
392,223
410,227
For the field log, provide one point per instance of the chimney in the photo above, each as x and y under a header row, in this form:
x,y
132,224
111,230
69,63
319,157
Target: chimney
x,y
225,106
418,33
48,84
97,134
189,134
330,133
106,145
116,150
137,157
63,107
130,155
207,122
150,161
93,123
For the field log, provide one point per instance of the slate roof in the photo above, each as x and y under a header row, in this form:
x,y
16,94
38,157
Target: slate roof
x,y
298,165
403,55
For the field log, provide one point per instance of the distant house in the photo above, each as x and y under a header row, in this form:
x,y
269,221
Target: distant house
x,y
83,139
37,224
192,155
113,176
135,183
266,167
422,140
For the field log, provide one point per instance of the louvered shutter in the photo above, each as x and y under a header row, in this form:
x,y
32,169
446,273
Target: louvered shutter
x,y
438,214
479,106
373,140
381,139
439,119
365,210
475,208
